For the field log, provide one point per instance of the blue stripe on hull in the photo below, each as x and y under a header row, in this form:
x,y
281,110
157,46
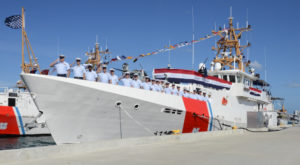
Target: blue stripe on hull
x,y
20,120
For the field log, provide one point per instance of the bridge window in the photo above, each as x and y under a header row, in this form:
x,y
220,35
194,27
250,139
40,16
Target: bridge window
x,y
232,78
225,77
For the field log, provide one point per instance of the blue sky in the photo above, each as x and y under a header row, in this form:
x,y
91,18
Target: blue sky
x,y
135,27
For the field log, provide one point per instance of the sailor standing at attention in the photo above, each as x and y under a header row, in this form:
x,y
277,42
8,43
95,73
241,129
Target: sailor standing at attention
x,y
136,83
90,75
79,70
185,93
157,87
146,85
152,86
113,79
167,89
180,93
103,76
62,67
174,91
126,80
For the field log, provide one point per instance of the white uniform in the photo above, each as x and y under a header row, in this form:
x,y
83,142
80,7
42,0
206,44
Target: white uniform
x,y
62,67
146,85
114,79
185,94
156,88
167,90
160,87
78,70
174,91
136,83
180,93
104,77
200,97
126,82
193,96
90,75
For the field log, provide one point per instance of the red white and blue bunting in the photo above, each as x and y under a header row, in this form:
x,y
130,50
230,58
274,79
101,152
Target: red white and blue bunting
x,y
254,91
189,76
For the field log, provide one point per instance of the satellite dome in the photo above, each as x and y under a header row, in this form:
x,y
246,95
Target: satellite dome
x,y
201,66
218,66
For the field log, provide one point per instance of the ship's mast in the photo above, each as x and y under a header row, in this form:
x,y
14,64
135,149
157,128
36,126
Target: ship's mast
x,y
229,50
94,58
33,63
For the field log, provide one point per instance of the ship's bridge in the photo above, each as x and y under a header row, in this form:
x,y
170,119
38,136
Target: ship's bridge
x,y
245,85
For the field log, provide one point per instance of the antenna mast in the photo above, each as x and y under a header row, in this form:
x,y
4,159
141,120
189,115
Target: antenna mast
x,y
193,45
169,60
229,44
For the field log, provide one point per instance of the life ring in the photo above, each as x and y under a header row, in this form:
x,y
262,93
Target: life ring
x,y
224,101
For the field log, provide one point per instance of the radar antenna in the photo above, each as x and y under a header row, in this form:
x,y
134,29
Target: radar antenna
x,y
229,50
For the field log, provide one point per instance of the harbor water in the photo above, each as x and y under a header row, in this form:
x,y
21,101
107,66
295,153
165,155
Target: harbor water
x,y
15,142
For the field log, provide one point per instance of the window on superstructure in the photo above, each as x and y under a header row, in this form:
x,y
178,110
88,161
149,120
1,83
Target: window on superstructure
x,y
246,82
225,77
238,79
232,78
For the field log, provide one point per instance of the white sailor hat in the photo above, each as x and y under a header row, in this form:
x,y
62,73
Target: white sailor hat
x,y
61,56
112,69
90,65
167,82
127,73
173,84
104,66
185,89
78,59
135,74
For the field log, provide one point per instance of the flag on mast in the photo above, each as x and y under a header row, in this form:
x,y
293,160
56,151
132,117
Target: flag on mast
x,y
14,22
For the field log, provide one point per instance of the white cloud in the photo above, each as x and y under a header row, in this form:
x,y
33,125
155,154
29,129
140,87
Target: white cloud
x,y
5,84
256,65
294,85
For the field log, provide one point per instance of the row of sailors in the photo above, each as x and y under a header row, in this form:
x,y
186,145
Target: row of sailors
x,y
63,70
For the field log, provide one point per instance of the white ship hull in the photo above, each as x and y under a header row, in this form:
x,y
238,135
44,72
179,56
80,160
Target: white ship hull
x,y
79,111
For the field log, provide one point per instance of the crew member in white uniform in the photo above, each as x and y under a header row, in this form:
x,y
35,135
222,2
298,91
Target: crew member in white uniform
x,y
79,70
152,86
62,68
185,93
146,85
204,96
157,87
174,91
90,74
161,85
199,96
113,79
136,83
167,89
193,95
126,80
209,98
180,93
103,76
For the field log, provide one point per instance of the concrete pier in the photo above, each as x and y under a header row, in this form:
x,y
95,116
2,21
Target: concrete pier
x,y
214,148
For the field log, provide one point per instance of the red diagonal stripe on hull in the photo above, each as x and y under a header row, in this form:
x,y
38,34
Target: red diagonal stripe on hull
x,y
8,116
192,122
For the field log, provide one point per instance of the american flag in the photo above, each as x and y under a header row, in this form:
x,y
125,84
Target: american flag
x,y
14,21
